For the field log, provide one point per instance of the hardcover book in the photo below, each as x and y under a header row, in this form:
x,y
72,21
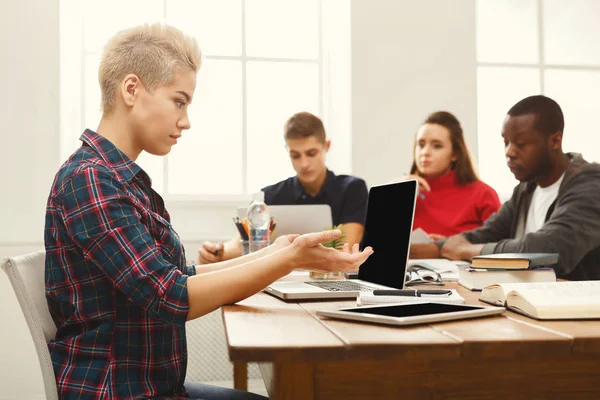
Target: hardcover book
x,y
515,260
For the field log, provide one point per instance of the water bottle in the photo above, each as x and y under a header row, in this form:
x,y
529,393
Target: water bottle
x,y
259,222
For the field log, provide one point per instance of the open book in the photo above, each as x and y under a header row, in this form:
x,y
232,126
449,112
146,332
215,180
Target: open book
x,y
547,300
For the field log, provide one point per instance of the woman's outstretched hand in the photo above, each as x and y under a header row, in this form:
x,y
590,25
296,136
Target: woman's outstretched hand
x,y
308,252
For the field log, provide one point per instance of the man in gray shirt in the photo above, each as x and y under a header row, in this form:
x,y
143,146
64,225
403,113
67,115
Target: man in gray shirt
x,y
554,209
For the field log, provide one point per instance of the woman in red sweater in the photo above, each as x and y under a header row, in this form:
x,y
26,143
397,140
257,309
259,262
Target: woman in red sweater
x,y
451,198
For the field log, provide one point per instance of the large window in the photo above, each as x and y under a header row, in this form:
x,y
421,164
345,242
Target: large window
x,y
527,47
263,60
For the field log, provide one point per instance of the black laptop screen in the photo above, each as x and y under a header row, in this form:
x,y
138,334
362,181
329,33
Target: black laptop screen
x,y
388,227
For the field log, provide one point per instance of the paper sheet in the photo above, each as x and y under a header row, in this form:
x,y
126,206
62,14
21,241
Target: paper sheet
x,y
446,268
419,236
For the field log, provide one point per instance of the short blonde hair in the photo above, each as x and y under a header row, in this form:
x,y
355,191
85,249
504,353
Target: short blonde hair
x,y
151,52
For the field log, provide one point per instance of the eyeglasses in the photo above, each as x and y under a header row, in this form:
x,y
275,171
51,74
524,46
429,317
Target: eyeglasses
x,y
418,275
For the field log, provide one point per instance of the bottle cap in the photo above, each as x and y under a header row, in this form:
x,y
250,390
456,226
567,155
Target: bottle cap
x,y
259,196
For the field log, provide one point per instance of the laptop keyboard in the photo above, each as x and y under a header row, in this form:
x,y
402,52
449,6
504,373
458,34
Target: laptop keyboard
x,y
342,286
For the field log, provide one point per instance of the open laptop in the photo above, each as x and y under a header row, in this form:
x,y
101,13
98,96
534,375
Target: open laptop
x,y
305,218
390,213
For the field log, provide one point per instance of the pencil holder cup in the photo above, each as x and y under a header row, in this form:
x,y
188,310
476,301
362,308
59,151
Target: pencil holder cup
x,y
326,275
256,245
318,275
336,244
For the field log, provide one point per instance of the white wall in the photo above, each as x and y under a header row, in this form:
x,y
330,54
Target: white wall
x,y
29,115
409,58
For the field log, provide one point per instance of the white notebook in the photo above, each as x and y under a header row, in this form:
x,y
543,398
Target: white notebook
x,y
478,278
368,298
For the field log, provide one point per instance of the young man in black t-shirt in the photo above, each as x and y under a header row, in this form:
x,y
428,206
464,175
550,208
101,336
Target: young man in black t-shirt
x,y
313,183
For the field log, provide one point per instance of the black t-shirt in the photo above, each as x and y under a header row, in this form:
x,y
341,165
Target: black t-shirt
x,y
346,195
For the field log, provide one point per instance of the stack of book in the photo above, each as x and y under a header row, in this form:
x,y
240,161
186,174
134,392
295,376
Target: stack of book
x,y
508,268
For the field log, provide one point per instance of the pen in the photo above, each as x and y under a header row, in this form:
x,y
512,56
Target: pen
x,y
412,293
218,249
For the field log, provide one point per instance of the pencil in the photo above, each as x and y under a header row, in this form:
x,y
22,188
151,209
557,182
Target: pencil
x,y
245,226
240,228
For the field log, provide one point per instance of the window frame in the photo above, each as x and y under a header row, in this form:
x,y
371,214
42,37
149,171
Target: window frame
x,y
75,96
541,66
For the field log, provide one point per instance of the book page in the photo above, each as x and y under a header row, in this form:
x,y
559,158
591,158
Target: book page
x,y
496,293
558,297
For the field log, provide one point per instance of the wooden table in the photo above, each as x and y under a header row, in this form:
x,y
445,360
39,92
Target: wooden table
x,y
303,356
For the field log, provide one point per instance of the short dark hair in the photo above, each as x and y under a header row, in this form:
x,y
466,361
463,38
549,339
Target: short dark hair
x,y
465,173
302,125
549,117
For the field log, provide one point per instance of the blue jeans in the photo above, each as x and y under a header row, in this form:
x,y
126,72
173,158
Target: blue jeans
x,y
198,391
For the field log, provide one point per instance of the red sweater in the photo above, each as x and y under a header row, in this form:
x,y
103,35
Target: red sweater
x,y
449,209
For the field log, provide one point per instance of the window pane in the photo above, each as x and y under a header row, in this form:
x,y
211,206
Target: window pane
x,y
577,94
208,158
102,19
282,29
507,31
217,25
498,89
276,91
336,94
571,32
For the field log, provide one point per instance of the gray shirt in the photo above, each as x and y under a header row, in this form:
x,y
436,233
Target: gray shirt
x,y
572,227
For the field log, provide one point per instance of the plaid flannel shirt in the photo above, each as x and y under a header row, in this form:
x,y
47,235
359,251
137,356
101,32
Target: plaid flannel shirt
x,y
115,280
